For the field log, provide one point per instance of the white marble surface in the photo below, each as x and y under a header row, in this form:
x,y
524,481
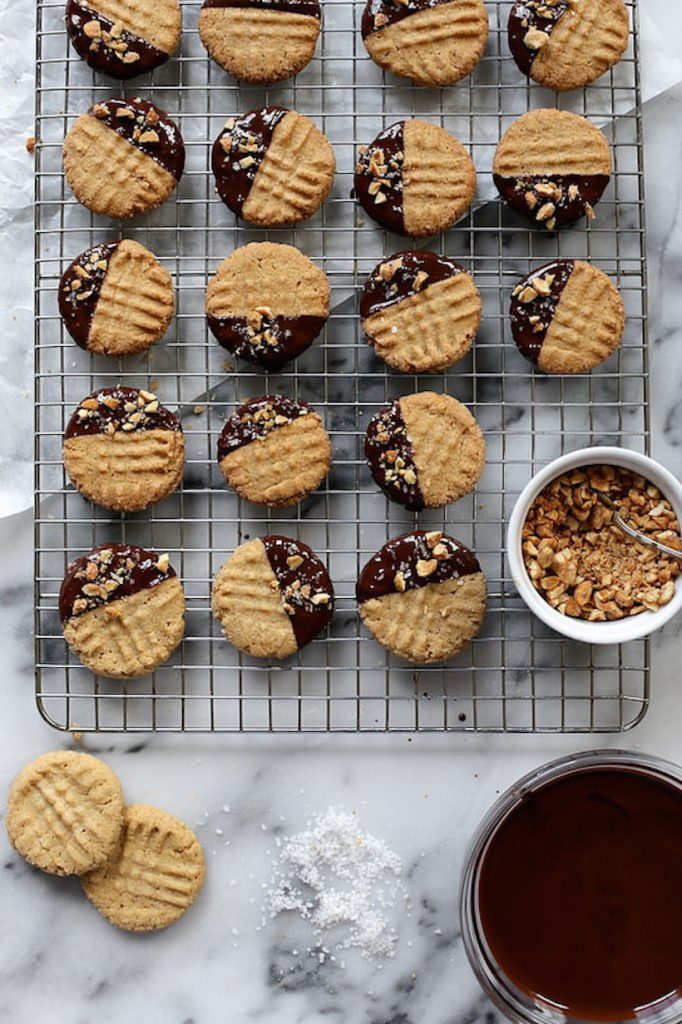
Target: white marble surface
x,y
60,962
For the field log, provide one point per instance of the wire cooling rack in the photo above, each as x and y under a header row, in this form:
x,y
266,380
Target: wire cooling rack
x,y
517,676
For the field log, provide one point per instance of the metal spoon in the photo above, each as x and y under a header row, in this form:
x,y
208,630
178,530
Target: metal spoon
x,y
648,542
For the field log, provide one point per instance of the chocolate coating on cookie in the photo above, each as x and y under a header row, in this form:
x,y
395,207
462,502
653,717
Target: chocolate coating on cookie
x,y
533,305
527,18
239,150
414,560
311,8
109,410
379,178
404,274
256,419
549,200
380,13
107,46
271,340
304,585
390,457
107,573
80,288
146,127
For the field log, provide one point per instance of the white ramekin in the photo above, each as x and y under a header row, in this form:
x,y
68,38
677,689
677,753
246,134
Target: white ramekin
x,y
623,630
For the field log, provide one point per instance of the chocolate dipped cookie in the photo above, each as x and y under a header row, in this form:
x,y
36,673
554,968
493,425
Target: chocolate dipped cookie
x,y
552,167
567,317
122,610
123,157
272,597
420,312
116,299
124,38
415,179
266,303
422,596
272,166
260,40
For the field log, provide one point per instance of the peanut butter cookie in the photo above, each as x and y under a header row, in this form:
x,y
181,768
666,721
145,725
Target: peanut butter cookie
x,y
124,38
422,596
272,597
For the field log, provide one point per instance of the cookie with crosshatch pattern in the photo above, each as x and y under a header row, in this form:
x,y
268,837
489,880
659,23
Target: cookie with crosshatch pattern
x,y
124,38
274,451
273,166
433,42
116,299
65,812
567,316
566,44
415,178
425,450
122,610
267,302
272,597
420,312
154,875
422,596
552,167
260,40
123,450
123,157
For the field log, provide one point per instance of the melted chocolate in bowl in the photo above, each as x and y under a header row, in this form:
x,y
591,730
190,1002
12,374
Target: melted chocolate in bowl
x,y
579,892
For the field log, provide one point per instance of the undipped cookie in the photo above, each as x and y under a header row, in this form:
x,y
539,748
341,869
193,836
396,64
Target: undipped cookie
x,y
415,179
274,451
422,596
552,166
433,42
567,316
260,40
425,450
272,597
420,311
153,877
267,302
124,38
124,450
122,610
272,166
566,44
123,157
65,812
116,299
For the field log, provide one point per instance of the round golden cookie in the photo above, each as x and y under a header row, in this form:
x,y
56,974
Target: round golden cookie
x,y
124,38
433,43
124,450
274,451
123,157
569,43
425,450
122,610
258,40
422,596
116,299
567,316
552,166
65,812
415,179
273,167
267,302
272,597
420,311
153,877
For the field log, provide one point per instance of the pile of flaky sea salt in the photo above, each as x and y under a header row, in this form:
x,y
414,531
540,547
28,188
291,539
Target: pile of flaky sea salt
x,y
337,877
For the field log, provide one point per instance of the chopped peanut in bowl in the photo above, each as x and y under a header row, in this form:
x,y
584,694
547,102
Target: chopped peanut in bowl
x,y
579,560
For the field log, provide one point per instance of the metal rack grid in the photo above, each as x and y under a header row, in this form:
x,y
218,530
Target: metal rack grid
x,y
517,676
